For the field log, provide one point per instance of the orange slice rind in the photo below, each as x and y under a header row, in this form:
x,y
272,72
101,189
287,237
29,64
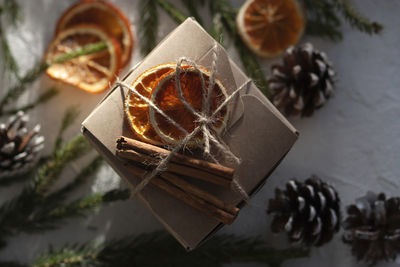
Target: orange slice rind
x,y
268,27
137,110
165,97
104,15
92,73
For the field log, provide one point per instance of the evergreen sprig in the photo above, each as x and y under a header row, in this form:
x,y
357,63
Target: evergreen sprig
x,y
227,14
356,19
68,119
17,90
50,171
324,18
177,15
134,251
224,9
41,99
12,13
192,7
148,25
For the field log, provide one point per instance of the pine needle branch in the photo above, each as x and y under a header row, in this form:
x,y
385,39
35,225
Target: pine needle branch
x,y
322,19
216,30
12,10
133,251
172,11
356,20
43,98
60,195
249,61
68,119
148,25
8,61
48,173
16,91
12,13
192,7
81,206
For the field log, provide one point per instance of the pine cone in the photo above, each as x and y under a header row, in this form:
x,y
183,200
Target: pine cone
x,y
18,146
372,228
309,212
303,83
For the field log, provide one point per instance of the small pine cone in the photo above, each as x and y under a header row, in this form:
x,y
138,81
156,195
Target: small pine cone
x,y
372,228
309,212
19,147
303,83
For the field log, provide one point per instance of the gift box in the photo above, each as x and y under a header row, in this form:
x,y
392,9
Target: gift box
x,y
256,133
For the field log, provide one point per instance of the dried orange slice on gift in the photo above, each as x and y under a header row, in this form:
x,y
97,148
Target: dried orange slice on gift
x,y
137,110
165,96
92,73
104,15
268,27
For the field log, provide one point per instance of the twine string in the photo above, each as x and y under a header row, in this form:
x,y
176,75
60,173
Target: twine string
x,y
204,119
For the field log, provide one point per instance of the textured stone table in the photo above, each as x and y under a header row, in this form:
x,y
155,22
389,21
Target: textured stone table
x,y
353,142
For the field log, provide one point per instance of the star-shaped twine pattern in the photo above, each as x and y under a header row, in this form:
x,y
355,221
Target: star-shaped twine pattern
x,y
205,121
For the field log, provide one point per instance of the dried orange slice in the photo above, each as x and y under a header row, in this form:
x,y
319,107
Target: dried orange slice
x,y
104,15
165,96
268,27
92,73
137,110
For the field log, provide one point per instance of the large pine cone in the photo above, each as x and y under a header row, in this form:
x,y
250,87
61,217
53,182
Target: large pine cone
x,y
309,212
18,146
372,228
303,83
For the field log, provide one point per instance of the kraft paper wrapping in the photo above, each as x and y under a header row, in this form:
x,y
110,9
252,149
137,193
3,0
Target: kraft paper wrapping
x,y
258,134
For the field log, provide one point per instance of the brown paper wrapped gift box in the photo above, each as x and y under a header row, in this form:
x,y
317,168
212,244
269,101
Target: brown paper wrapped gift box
x,y
258,133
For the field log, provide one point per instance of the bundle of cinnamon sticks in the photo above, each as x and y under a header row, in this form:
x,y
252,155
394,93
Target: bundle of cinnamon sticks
x,y
141,157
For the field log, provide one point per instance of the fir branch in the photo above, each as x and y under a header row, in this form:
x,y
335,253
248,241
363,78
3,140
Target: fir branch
x,y
67,256
43,98
172,11
216,30
134,251
148,25
356,20
192,7
249,61
81,206
322,19
55,198
8,61
16,91
69,117
48,173
81,51
31,76
12,10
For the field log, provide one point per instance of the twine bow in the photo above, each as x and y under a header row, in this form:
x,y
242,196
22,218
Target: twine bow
x,y
205,119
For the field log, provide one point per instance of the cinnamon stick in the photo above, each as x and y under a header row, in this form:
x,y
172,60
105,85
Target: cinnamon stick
x,y
188,187
175,168
148,149
195,197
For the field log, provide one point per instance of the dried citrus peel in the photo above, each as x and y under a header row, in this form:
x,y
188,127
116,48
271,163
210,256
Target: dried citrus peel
x,y
105,15
93,72
268,27
137,110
